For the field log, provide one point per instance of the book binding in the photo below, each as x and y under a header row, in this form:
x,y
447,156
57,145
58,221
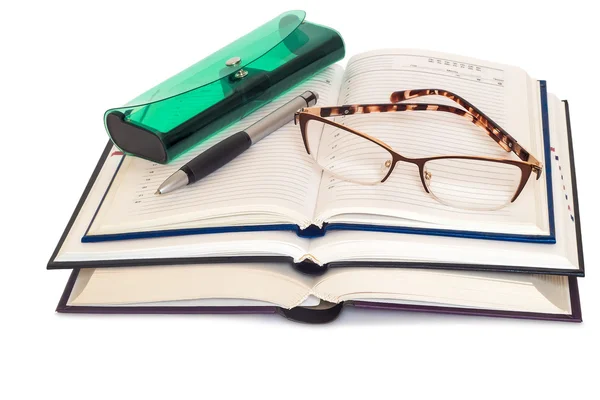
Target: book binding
x,y
323,313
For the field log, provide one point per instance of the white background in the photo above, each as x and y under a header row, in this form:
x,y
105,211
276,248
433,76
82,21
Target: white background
x,y
64,64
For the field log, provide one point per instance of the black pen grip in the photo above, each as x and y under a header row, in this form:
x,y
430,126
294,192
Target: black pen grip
x,y
217,156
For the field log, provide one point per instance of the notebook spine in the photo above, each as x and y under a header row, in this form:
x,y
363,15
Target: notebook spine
x,y
311,231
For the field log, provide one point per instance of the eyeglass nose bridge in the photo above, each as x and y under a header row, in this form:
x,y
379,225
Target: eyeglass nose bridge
x,y
419,163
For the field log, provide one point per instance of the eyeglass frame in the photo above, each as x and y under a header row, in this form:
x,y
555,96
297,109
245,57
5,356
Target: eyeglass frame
x,y
528,164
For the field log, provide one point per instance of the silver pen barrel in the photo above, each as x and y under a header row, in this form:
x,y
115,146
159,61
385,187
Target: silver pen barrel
x,y
280,117
226,150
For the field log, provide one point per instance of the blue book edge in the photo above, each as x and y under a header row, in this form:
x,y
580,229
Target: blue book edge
x,y
314,231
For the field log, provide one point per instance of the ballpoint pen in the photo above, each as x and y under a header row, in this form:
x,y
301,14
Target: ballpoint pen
x,y
228,149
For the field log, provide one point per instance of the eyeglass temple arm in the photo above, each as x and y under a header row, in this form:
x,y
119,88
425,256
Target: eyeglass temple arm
x,y
506,141
500,136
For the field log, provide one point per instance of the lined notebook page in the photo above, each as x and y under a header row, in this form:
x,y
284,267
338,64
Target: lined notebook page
x,y
274,181
371,77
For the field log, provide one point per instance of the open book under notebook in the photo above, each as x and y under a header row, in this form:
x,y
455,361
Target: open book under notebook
x,y
254,287
277,186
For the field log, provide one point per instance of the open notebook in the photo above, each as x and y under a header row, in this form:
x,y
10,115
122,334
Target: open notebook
x,y
338,247
253,287
276,184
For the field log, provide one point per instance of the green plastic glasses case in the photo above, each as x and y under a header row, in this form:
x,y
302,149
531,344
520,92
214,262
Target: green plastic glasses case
x,y
174,116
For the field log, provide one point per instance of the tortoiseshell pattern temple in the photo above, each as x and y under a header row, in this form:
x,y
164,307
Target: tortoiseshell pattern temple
x,y
527,163
501,137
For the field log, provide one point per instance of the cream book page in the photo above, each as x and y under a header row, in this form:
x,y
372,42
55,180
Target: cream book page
x,y
484,290
503,93
274,283
273,182
231,244
244,284
369,246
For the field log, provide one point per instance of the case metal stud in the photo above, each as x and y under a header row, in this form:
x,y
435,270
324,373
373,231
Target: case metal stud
x,y
233,61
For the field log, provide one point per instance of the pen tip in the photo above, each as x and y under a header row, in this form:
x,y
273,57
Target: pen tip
x,y
157,192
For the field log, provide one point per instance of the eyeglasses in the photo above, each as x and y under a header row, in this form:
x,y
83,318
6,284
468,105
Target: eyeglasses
x,y
468,182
